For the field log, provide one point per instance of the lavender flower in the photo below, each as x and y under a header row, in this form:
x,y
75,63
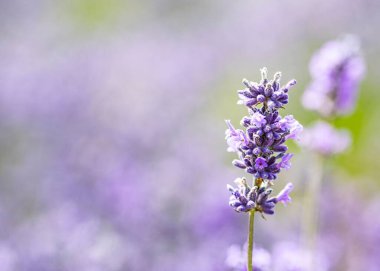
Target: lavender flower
x,y
325,139
336,69
261,148
266,131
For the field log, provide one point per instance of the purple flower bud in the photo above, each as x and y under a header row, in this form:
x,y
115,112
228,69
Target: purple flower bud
x,y
289,85
276,136
260,98
259,132
266,150
247,161
250,102
250,170
247,83
269,135
241,208
268,91
267,128
246,121
280,148
245,94
256,151
239,164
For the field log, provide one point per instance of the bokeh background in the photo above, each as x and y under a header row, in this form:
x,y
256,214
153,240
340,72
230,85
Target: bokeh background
x,y
112,151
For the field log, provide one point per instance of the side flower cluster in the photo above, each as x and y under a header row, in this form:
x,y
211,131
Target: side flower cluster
x,y
245,198
261,147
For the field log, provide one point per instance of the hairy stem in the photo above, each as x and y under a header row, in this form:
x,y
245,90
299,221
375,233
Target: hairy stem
x,y
250,240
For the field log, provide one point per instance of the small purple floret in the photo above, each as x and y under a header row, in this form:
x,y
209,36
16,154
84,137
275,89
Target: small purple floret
x,y
285,161
260,164
258,120
283,196
234,137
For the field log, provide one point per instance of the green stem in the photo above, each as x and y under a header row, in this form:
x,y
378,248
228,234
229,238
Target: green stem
x,y
250,239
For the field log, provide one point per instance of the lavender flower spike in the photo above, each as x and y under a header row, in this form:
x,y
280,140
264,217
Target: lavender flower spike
x,y
261,148
263,142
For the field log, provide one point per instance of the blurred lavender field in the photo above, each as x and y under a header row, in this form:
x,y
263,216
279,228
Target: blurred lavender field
x,y
112,145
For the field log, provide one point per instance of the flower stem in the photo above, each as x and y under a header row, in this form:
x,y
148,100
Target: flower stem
x,y
250,240
311,202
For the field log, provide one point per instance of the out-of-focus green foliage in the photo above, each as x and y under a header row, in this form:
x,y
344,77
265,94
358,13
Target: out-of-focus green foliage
x,y
93,13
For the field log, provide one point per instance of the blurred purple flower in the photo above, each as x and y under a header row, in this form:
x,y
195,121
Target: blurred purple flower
x,y
285,256
336,70
79,135
325,139
236,259
66,239
291,257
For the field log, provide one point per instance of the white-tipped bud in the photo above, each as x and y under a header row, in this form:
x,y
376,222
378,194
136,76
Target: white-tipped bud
x,y
230,188
246,83
240,181
277,77
291,83
264,73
